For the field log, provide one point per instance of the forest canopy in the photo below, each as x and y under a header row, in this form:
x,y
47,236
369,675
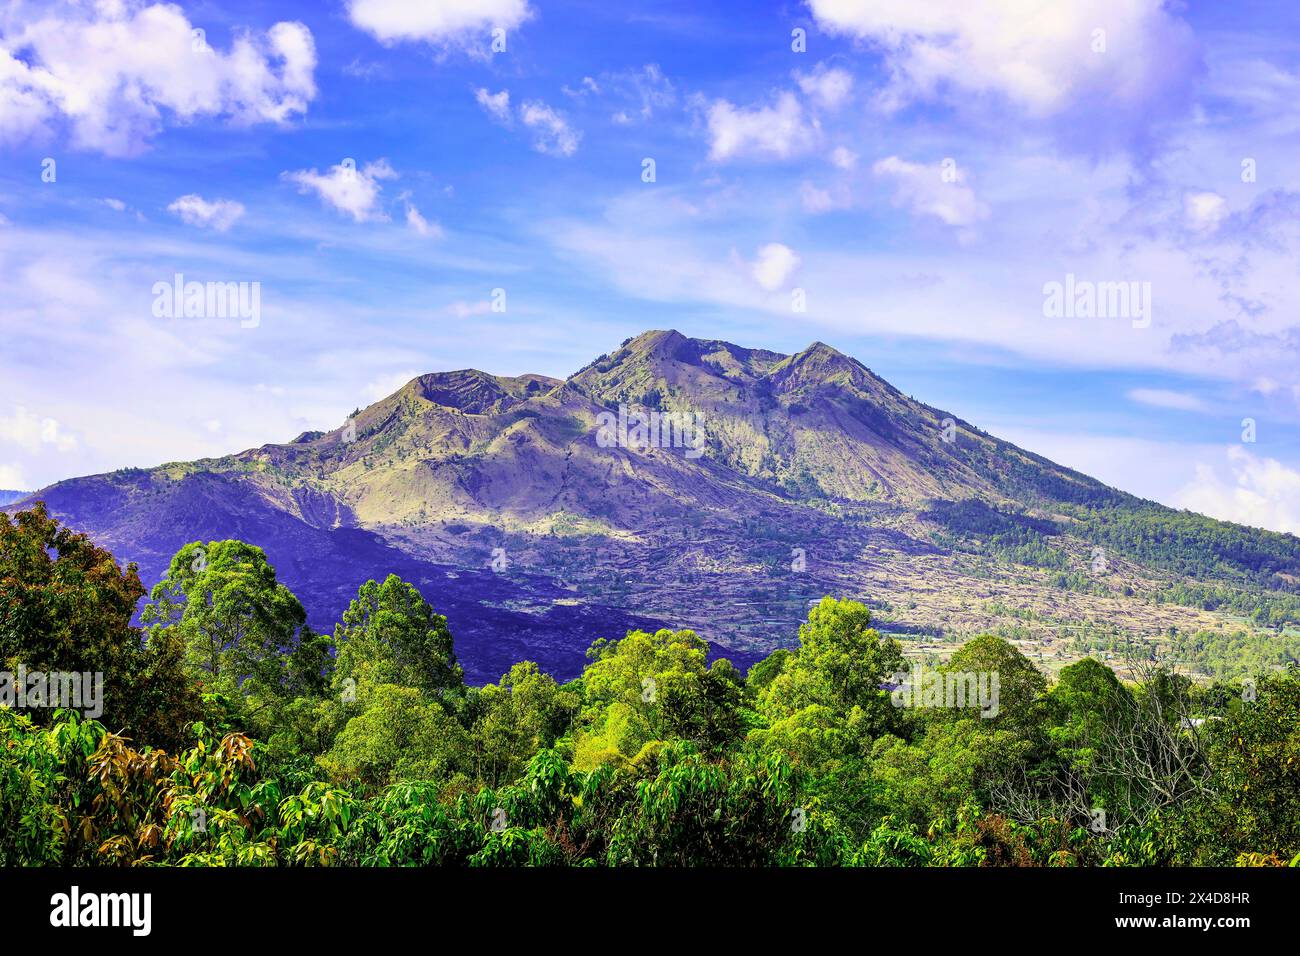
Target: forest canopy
x,y
234,734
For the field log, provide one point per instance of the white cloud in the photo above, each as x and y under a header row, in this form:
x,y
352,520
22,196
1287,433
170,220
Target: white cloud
x,y
114,72
384,385
496,104
825,86
1146,467
434,21
11,478
639,93
464,310
115,204
1164,398
970,296
1261,492
774,265
346,188
220,214
814,199
1204,210
32,432
1043,57
648,88
843,157
925,191
551,131
777,131
421,225
586,87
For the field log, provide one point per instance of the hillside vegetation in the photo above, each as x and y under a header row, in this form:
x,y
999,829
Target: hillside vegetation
x,y
233,733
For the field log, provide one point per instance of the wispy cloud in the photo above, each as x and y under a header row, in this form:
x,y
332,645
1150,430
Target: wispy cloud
x,y
937,190
1164,398
552,133
219,214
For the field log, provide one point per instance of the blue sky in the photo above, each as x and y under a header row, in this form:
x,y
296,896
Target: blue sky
x,y
918,173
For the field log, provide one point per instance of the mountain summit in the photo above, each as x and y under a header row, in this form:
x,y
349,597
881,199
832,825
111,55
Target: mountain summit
x,y
795,476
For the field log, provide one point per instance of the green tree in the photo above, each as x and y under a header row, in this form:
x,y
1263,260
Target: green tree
x,y
400,734
1086,697
391,635
1255,754
842,664
239,625
648,688
697,812
66,605
525,713
1021,685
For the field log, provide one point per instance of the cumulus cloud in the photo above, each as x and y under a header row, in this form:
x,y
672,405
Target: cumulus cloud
x,y
434,21
1044,58
33,432
936,190
497,105
348,189
774,266
220,214
827,87
776,131
1247,489
843,157
113,74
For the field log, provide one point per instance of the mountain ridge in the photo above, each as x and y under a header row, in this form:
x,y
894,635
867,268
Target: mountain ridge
x,y
812,475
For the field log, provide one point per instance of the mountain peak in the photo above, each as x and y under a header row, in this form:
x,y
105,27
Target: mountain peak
x,y
821,352
657,337
821,348
475,392
820,364
665,342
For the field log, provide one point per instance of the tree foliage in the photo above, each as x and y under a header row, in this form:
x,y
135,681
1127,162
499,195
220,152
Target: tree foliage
x,y
243,737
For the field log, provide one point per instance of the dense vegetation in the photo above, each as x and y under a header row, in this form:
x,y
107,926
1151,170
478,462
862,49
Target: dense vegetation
x,y
1210,564
233,734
